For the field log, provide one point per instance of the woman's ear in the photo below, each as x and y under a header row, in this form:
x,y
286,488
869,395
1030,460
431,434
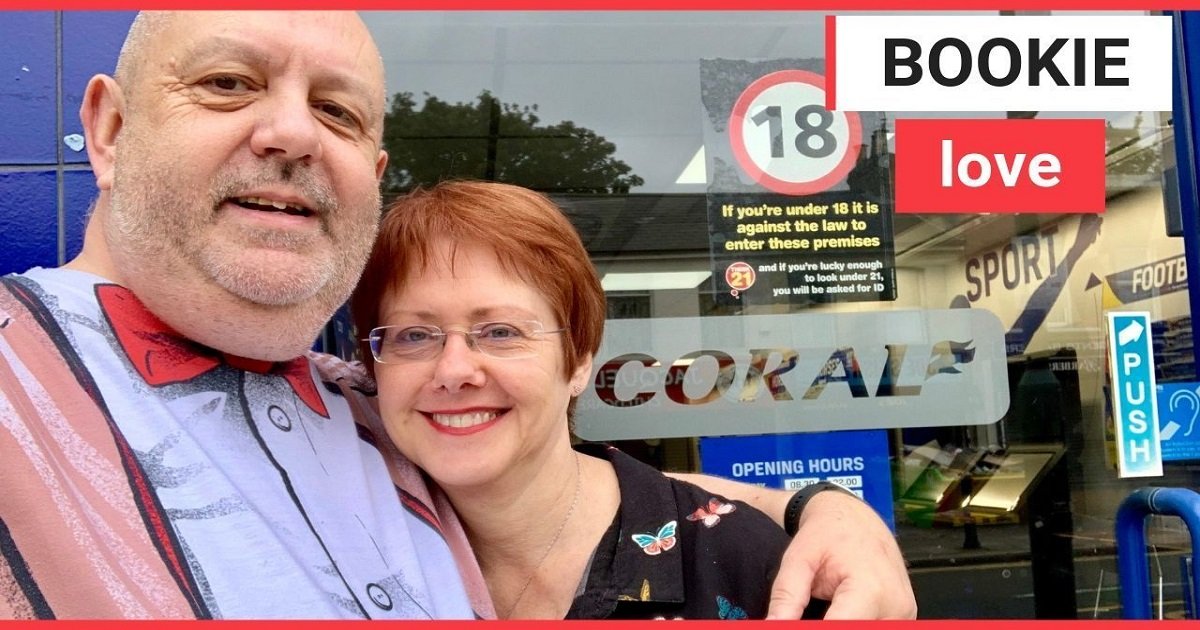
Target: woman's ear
x,y
102,115
580,377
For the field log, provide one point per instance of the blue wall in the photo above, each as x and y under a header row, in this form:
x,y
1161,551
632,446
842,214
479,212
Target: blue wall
x,y
46,59
46,185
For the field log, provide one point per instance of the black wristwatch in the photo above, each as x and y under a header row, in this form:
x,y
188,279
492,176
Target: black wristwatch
x,y
795,506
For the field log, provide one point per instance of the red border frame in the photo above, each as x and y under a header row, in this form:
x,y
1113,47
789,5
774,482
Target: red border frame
x,y
831,62
610,5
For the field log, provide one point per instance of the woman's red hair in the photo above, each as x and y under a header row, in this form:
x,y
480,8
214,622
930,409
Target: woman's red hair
x,y
529,234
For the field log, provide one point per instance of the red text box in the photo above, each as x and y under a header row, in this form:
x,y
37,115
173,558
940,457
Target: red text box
x,y
1009,166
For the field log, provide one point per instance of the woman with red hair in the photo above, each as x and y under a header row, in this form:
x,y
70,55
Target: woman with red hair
x,y
484,313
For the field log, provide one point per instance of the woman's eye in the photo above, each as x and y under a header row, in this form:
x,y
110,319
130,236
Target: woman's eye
x,y
413,336
501,332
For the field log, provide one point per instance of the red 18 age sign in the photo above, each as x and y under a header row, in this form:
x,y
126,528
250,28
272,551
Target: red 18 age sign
x,y
786,140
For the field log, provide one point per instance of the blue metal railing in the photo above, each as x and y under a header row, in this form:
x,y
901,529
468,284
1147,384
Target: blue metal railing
x,y
1132,565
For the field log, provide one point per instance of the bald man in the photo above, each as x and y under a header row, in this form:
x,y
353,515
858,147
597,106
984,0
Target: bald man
x,y
167,449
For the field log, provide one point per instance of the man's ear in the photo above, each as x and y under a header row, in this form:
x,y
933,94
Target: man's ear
x,y
381,164
102,115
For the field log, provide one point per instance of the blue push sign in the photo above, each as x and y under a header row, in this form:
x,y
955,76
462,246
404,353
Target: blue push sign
x,y
1135,410
857,460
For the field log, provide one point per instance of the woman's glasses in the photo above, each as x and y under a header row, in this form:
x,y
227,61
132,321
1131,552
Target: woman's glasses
x,y
501,340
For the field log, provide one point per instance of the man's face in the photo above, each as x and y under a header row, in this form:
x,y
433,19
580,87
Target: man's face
x,y
249,157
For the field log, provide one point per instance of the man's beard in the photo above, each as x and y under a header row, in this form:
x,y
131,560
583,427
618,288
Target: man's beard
x,y
173,228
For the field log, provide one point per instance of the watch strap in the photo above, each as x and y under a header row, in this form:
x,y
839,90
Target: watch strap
x,y
795,506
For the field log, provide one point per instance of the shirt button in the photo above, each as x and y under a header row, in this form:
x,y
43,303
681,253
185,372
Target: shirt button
x,y
279,418
379,596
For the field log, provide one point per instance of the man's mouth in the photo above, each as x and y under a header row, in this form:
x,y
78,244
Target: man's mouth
x,y
269,205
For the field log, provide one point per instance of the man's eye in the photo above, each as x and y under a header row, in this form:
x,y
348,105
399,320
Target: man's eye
x,y
337,112
227,83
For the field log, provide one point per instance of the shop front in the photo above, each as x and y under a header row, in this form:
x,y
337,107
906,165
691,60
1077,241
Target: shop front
x,y
950,368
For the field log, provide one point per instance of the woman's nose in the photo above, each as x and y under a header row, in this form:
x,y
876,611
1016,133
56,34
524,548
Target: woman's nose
x,y
459,363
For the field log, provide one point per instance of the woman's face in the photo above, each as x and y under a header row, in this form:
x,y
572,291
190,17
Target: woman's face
x,y
465,417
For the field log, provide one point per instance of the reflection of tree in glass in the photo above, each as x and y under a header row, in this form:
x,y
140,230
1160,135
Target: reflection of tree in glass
x,y
506,142
1134,160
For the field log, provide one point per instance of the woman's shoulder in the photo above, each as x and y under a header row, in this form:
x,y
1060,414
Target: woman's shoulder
x,y
331,369
728,552
736,523
641,484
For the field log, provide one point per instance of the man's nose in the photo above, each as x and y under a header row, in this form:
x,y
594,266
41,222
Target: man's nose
x,y
458,365
288,128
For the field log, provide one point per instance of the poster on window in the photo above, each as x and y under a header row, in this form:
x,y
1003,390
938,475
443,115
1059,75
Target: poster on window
x,y
799,198
856,460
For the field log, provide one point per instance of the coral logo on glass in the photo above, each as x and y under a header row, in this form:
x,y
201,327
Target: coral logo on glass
x,y
999,165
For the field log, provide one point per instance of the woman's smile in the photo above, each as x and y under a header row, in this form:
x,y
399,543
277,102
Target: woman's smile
x,y
462,422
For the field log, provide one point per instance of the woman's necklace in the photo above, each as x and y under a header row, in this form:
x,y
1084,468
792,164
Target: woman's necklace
x,y
558,534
